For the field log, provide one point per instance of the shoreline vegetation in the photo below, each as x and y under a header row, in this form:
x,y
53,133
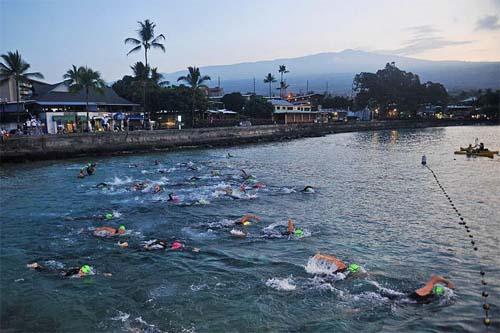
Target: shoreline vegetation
x,y
49,147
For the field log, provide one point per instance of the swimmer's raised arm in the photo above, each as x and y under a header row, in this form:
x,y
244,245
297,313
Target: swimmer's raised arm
x,y
426,290
331,259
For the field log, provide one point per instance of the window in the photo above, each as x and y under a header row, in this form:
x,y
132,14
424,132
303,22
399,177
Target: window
x,y
290,108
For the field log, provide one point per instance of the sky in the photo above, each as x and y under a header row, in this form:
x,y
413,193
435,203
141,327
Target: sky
x,y
54,34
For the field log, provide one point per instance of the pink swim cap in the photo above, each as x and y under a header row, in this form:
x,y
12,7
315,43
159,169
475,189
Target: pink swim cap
x,y
176,245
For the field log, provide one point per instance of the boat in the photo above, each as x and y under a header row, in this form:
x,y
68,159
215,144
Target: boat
x,y
484,153
487,150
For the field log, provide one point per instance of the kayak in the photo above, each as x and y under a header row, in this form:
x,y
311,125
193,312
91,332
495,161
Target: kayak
x,y
487,150
487,153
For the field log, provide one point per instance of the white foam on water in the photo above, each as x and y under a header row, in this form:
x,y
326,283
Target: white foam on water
x,y
198,287
53,264
371,297
322,267
122,316
287,190
119,181
222,223
281,284
385,290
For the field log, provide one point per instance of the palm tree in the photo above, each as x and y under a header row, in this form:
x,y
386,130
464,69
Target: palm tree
x,y
15,68
84,78
141,72
195,81
269,79
156,78
147,40
282,70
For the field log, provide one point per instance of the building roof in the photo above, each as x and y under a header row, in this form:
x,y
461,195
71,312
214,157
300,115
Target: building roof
x,y
59,94
280,102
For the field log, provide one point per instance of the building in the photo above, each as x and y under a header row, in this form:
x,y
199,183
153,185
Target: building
x,y
460,111
361,115
61,110
8,90
287,113
430,112
313,100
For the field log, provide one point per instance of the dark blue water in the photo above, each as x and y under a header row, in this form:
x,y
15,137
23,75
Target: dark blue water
x,y
374,205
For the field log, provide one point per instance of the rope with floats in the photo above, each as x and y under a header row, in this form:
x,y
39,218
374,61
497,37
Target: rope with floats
x,y
484,293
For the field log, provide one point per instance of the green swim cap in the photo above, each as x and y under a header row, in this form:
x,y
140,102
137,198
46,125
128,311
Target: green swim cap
x,y
85,269
299,232
108,216
438,290
122,227
353,268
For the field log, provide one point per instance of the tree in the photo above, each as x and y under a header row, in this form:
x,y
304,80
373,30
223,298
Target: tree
x,y
282,70
195,81
269,79
141,71
258,107
336,102
156,78
391,88
84,78
233,101
146,40
14,67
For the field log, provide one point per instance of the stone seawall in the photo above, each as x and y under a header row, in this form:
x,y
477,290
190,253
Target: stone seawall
x,y
25,148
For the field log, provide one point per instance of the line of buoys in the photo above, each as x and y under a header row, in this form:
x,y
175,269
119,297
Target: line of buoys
x,y
484,294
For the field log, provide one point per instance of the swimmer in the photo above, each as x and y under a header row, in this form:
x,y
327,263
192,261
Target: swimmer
x,y
157,162
229,192
138,186
229,155
76,272
431,289
245,175
102,185
81,174
194,178
259,186
247,219
173,198
123,244
157,189
109,231
308,189
339,264
155,244
91,168
133,166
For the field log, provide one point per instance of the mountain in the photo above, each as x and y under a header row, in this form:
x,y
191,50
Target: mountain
x,y
339,68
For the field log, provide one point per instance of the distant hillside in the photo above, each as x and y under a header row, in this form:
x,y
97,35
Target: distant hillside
x,y
339,68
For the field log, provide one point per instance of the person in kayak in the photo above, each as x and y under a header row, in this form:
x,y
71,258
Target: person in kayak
x,y
109,231
339,265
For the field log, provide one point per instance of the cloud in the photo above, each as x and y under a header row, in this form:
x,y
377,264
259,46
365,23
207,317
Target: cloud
x,y
489,22
424,38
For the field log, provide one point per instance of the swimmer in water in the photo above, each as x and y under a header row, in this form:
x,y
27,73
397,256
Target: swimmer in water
x,y
308,189
81,174
157,162
138,186
109,231
91,168
75,272
229,155
157,189
340,266
102,185
173,198
245,175
155,244
431,290
247,219
229,192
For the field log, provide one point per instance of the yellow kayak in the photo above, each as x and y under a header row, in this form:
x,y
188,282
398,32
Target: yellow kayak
x,y
487,153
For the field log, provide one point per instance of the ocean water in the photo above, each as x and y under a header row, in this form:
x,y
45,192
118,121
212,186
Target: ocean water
x,y
374,204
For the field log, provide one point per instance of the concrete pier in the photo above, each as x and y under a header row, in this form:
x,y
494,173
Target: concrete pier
x,y
26,148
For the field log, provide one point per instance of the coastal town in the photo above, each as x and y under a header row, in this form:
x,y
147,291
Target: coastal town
x,y
83,102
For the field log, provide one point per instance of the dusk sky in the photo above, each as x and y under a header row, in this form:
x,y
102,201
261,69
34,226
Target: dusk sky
x,y
54,34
